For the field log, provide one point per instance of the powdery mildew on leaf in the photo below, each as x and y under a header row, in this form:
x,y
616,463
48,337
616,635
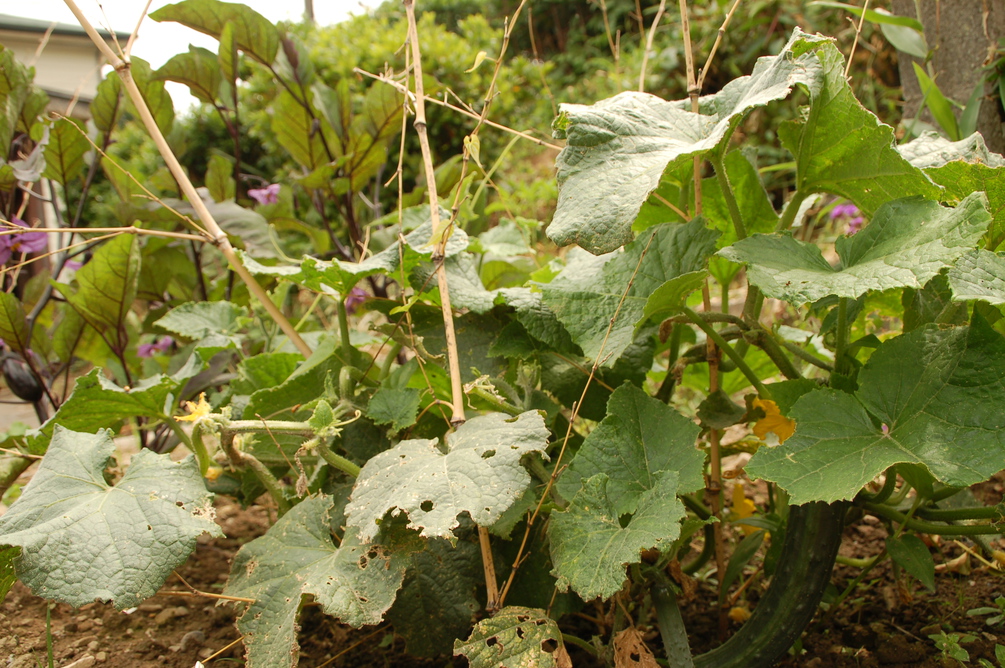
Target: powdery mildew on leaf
x,y
618,149
479,474
934,397
515,637
354,582
83,540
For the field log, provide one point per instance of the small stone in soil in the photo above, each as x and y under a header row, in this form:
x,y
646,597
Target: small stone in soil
x,y
192,639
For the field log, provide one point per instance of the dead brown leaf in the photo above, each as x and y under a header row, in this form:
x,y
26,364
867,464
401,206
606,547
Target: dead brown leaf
x,y
630,650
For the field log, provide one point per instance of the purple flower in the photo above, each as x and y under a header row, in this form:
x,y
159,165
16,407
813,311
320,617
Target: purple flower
x,y
355,297
72,265
151,349
22,242
851,212
266,195
844,210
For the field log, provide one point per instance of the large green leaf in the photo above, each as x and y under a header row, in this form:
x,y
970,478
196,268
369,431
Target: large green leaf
x,y
617,150
254,34
352,581
157,99
908,242
437,600
199,69
931,397
107,105
339,277
13,324
514,637
64,154
83,540
195,320
107,285
587,294
640,438
962,168
840,147
979,275
590,545
97,402
294,127
480,474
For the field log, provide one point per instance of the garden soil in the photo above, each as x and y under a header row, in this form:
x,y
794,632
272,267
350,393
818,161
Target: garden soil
x,y
884,623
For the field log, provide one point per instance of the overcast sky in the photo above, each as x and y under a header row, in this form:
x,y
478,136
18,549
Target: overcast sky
x,y
159,41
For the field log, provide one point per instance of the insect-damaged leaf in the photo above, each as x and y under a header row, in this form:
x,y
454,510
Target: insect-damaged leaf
x,y
83,540
480,474
931,397
353,581
515,637
907,244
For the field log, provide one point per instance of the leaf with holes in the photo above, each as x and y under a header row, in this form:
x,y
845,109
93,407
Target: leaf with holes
x,y
83,540
932,397
908,243
480,473
591,544
514,638
353,581
640,438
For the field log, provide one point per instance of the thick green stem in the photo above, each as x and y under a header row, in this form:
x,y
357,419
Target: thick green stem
x,y
841,341
960,514
268,480
337,461
392,354
672,629
727,194
931,527
885,492
805,356
766,342
740,363
343,329
569,639
195,444
274,426
791,209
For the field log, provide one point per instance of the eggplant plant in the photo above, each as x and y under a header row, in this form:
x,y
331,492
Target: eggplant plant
x,y
600,380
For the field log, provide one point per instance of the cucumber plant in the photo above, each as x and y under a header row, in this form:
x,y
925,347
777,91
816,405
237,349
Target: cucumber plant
x,y
600,378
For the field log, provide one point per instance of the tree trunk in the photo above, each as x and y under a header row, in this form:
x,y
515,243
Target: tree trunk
x,y
963,35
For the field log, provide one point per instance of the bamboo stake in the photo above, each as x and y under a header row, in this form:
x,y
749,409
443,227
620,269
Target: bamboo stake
x,y
216,236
